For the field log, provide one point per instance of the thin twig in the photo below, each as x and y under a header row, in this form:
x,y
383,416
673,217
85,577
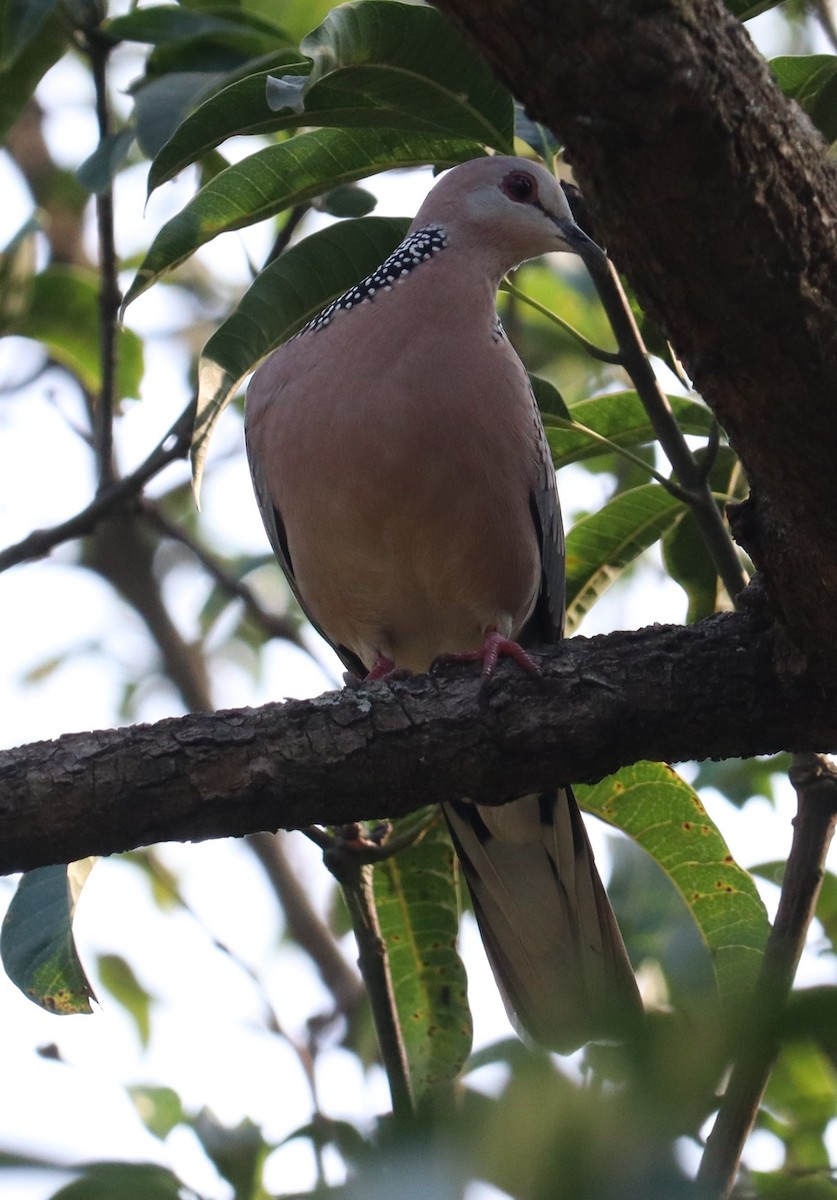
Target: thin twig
x,y
110,297
815,778
605,356
273,625
305,926
576,427
287,231
634,358
117,497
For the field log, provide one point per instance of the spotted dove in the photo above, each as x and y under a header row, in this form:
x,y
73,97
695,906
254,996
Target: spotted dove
x,y
406,485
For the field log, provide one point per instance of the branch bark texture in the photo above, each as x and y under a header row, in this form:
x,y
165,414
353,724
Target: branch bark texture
x,y
723,688
714,195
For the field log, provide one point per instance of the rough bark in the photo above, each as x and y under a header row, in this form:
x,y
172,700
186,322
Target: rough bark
x,y
713,194
726,687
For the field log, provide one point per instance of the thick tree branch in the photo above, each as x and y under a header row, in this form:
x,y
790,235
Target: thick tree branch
x,y
725,687
714,194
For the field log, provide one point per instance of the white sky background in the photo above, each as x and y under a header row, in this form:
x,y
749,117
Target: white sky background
x,y
208,1040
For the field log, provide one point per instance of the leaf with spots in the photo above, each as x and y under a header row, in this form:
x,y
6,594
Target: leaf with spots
x,y
417,898
663,815
36,942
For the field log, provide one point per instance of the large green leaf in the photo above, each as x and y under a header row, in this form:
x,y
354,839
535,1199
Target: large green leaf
x,y
63,314
36,941
263,184
289,292
811,79
662,814
620,417
418,908
407,58
164,23
374,64
600,546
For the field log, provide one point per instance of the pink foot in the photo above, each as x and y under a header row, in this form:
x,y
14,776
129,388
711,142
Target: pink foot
x,y
385,668
492,650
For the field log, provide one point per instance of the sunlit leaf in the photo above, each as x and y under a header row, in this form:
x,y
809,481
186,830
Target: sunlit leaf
x,y
418,909
160,1108
659,811
600,546
263,184
36,941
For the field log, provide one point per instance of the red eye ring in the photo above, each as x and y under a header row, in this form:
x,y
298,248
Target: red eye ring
x,y
520,186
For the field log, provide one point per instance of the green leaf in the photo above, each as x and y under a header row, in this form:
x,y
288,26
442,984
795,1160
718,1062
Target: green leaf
x,y
600,546
287,294
689,563
418,908
164,23
118,977
746,9
127,1181
811,80
662,814
263,184
36,941
375,65
409,59
549,400
347,200
98,171
20,23
63,314
19,80
160,1109
620,417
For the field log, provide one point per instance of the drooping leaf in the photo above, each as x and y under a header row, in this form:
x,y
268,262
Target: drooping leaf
x,y
600,546
409,58
375,65
417,901
659,811
263,184
811,80
622,419
36,941
63,314
287,294
688,562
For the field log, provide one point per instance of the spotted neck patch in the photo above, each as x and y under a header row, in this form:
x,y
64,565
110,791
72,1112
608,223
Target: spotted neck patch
x,y
416,248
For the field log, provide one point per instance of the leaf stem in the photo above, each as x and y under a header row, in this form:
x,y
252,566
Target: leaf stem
x,y
814,776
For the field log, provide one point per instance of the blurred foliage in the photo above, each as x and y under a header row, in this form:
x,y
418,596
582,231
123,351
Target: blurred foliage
x,y
328,97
